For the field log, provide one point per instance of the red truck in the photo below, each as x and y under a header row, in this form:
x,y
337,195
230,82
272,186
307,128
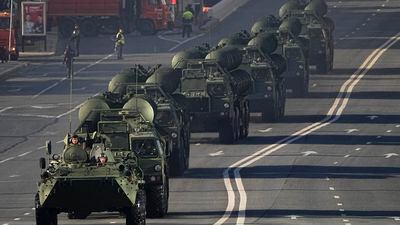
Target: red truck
x,y
5,34
106,16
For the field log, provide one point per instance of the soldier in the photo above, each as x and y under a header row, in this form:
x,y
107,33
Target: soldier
x,y
76,38
187,19
75,140
68,59
119,43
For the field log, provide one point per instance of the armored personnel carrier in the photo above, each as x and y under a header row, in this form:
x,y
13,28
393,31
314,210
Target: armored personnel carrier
x,y
268,90
316,28
131,128
90,179
214,91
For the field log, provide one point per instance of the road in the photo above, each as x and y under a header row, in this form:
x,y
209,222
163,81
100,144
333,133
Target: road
x,y
334,159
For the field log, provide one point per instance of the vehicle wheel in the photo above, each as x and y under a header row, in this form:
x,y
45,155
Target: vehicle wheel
x,y
81,215
65,27
283,99
14,57
136,215
157,200
322,66
110,26
89,28
226,132
177,161
146,27
44,216
243,123
187,149
236,124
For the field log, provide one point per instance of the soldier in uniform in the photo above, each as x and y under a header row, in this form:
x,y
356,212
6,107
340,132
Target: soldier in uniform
x,y
119,43
68,59
76,38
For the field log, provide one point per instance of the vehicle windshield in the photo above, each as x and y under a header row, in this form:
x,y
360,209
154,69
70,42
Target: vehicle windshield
x,y
4,23
165,118
145,147
117,141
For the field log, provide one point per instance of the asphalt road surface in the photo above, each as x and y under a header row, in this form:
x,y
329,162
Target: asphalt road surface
x,y
333,160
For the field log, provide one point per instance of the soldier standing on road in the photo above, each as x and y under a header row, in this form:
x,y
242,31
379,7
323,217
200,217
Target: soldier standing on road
x,y
76,38
68,59
187,19
119,43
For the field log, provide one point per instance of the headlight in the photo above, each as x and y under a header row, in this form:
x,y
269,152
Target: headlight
x,y
226,105
216,89
157,168
174,135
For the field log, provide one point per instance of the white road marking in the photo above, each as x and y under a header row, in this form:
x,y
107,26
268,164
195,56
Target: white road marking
x,y
368,143
345,220
383,5
334,114
368,19
389,131
60,141
197,144
70,111
349,131
14,175
17,219
395,218
113,222
347,156
5,109
357,149
307,153
5,160
372,117
265,130
185,41
339,204
14,90
397,126
388,155
363,24
43,106
24,154
27,214
336,196
335,163
168,39
29,115
64,78
378,10
41,147
293,217
327,179
314,85
331,188
347,224
216,153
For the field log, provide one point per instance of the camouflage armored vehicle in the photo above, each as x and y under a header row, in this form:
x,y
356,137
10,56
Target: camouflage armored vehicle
x,y
90,179
171,119
214,91
316,28
131,128
268,90
292,47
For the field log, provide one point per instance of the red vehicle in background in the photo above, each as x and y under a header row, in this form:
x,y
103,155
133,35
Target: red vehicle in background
x,y
5,33
106,16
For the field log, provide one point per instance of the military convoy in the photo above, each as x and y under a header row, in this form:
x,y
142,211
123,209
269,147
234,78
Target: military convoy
x,y
136,134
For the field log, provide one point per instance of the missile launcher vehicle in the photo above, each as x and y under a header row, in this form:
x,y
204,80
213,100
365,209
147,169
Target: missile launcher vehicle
x,y
316,28
268,91
213,90
171,119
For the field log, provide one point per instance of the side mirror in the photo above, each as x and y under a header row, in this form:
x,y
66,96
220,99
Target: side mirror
x,y
42,162
48,147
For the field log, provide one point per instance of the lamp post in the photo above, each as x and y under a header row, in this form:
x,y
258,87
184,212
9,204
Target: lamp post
x,y
10,31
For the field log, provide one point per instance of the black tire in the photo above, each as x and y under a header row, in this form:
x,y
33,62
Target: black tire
x,y
322,66
244,123
271,112
146,27
302,91
44,216
226,132
236,124
157,200
65,27
136,215
110,26
187,149
14,57
89,28
177,161
80,215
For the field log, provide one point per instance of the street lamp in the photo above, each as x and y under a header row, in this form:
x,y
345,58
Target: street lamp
x,y
10,31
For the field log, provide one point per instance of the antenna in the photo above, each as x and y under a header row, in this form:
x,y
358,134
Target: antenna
x,y
71,74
